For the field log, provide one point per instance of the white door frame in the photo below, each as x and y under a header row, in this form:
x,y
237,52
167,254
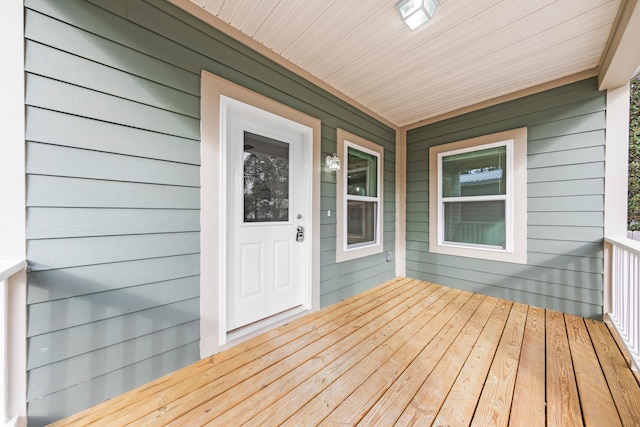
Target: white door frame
x,y
213,335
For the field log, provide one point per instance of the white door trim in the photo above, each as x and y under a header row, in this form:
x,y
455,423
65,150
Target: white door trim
x,y
213,335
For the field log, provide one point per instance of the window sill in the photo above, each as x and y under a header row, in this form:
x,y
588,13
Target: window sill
x,y
355,253
519,256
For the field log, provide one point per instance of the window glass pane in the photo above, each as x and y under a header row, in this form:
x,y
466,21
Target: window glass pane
x,y
362,173
361,220
266,179
475,222
475,173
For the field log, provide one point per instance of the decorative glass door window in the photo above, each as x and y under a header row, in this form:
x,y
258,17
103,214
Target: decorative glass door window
x,y
266,179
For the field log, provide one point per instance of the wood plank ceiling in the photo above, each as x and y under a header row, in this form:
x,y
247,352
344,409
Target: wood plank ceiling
x,y
472,51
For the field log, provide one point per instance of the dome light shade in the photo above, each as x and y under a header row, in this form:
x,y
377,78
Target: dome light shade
x,y
416,12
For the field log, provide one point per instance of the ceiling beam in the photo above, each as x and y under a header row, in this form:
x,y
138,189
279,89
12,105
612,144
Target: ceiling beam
x,y
622,54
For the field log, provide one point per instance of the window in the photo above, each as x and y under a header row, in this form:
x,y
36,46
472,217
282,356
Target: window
x,y
266,179
477,203
359,198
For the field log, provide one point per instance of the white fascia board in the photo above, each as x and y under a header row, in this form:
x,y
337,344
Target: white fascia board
x,y
621,59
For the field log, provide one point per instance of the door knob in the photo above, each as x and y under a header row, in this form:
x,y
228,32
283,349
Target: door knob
x,y
300,234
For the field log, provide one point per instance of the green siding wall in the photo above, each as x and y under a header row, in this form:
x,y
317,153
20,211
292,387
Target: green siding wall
x,y
565,201
113,191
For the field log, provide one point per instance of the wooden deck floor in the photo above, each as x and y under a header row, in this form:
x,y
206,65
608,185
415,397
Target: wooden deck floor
x,y
406,353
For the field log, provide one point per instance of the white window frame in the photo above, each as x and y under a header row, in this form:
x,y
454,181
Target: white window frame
x,y
507,197
515,249
345,252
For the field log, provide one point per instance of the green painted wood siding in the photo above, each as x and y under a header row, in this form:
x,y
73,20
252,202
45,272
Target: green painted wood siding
x,y
565,201
113,191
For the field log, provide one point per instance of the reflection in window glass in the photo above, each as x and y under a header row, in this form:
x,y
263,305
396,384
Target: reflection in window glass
x,y
475,173
481,223
266,179
361,222
362,177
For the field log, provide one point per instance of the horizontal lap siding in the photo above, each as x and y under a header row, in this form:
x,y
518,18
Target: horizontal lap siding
x,y
113,191
565,201
113,200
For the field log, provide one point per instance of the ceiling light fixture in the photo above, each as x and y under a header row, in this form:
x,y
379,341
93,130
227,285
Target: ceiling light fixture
x,y
416,12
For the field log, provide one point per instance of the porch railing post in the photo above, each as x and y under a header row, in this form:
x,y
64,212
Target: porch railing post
x,y
607,279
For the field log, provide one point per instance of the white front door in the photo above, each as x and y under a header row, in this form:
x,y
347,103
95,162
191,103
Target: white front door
x,y
267,217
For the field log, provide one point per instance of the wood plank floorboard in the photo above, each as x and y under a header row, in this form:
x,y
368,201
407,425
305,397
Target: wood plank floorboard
x,y
426,402
598,408
529,400
495,400
461,402
563,402
406,352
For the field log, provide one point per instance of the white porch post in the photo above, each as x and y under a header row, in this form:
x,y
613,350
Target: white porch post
x,y
401,202
12,209
616,177
617,155
618,64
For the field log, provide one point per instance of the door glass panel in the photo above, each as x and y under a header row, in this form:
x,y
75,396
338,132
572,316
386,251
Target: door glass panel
x,y
266,179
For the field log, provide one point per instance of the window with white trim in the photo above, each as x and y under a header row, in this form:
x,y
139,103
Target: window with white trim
x,y
359,197
477,204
